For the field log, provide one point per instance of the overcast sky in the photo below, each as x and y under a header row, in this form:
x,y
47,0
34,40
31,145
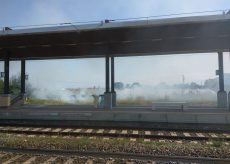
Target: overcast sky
x,y
87,72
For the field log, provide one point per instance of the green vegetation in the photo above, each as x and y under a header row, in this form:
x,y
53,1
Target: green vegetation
x,y
15,86
216,143
1,86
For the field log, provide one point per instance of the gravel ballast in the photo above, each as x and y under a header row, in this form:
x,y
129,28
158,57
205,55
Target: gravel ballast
x,y
216,150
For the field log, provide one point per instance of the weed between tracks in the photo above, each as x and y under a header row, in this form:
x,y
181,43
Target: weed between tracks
x,y
215,150
216,143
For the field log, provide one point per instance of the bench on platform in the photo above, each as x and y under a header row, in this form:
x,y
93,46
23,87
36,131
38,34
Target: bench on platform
x,y
169,105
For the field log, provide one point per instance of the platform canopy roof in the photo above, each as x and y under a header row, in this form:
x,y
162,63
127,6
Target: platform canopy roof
x,y
128,38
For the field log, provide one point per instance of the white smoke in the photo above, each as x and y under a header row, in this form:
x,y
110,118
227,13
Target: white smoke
x,y
148,93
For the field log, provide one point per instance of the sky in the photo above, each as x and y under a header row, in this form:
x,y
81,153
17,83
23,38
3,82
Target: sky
x,y
149,70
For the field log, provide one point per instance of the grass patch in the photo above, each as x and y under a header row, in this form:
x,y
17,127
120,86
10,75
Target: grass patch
x,y
217,143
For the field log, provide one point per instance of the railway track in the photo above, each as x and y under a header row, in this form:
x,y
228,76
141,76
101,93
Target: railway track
x,y
121,133
29,156
35,155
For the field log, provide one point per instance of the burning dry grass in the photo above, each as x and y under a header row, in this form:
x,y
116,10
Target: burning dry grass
x,y
125,101
46,102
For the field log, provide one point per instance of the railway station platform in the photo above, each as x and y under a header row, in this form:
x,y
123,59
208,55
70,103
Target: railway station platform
x,y
196,118
182,35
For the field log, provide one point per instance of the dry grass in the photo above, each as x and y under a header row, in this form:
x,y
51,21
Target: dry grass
x,y
127,101
46,102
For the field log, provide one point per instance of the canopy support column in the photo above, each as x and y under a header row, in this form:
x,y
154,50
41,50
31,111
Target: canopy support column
x,y
23,77
22,99
222,94
107,94
7,75
113,82
5,98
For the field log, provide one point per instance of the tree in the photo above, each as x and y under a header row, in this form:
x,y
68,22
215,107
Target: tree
x,y
1,86
15,86
119,85
194,85
135,84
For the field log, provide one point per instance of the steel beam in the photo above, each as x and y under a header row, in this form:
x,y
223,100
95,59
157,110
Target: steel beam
x,y
163,39
122,34
132,48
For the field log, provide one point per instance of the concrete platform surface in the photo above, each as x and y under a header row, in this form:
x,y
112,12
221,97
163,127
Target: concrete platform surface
x,y
118,114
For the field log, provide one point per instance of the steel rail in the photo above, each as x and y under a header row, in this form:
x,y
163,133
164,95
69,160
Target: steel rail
x,y
114,135
115,155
